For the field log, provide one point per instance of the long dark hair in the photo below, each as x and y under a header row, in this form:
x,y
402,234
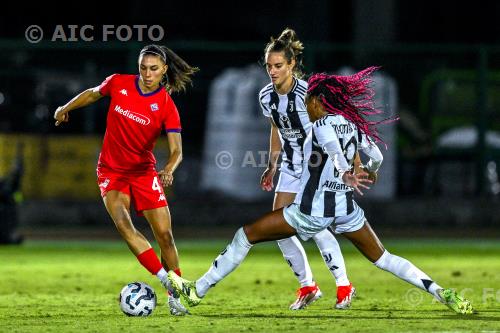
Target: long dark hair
x,y
178,74
349,96
291,46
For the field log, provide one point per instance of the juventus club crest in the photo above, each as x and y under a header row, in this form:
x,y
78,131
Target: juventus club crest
x,y
285,122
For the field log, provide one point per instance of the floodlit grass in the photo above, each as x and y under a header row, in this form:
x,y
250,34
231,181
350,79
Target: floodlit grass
x,y
74,286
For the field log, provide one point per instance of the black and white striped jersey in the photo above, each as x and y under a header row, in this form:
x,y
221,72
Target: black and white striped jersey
x,y
289,114
322,190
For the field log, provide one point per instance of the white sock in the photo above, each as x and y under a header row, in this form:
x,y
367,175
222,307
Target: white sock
x,y
405,270
294,254
225,263
162,276
330,250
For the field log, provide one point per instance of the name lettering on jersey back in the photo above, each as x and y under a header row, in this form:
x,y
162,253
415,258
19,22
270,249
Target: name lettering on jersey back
x,y
339,129
138,118
336,186
344,129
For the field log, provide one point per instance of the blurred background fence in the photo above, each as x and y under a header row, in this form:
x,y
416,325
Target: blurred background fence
x,y
445,147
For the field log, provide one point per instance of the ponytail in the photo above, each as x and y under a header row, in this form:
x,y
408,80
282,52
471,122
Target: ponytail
x,y
178,74
291,46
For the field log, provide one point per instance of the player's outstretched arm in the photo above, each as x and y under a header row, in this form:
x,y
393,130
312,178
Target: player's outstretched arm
x,y
84,98
175,147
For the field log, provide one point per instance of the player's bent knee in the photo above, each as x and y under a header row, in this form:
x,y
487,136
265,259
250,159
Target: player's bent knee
x,y
254,233
125,228
250,233
270,227
166,238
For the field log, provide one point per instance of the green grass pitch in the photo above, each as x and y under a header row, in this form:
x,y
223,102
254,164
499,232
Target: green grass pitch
x,y
73,287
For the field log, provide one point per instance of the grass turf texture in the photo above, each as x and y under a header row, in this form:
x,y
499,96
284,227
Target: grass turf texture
x,y
74,286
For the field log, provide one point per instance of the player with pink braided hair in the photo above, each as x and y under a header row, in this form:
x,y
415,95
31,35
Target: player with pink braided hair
x,y
350,96
337,106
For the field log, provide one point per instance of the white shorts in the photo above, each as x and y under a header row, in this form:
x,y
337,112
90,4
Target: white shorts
x,y
308,226
288,183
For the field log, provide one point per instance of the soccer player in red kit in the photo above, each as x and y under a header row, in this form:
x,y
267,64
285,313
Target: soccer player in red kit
x,y
140,108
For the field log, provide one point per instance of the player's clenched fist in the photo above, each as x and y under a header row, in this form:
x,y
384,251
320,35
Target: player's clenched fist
x,y
60,116
266,180
166,177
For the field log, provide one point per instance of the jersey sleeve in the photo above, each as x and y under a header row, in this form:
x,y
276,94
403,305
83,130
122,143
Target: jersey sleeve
x,y
172,121
106,86
324,132
263,100
265,111
329,141
364,141
370,148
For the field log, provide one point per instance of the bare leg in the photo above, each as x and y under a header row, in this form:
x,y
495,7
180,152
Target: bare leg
x,y
118,207
283,199
160,222
367,242
271,226
370,246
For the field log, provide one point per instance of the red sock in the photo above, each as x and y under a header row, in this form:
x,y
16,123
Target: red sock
x,y
150,261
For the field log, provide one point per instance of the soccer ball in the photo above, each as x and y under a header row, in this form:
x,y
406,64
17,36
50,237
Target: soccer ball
x,y
137,299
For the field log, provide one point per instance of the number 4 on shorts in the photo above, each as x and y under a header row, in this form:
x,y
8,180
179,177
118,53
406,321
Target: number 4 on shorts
x,y
156,185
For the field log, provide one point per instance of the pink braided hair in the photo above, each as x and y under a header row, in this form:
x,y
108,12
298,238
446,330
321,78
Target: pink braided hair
x,y
349,96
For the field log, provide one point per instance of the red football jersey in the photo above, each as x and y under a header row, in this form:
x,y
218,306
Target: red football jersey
x,y
134,123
